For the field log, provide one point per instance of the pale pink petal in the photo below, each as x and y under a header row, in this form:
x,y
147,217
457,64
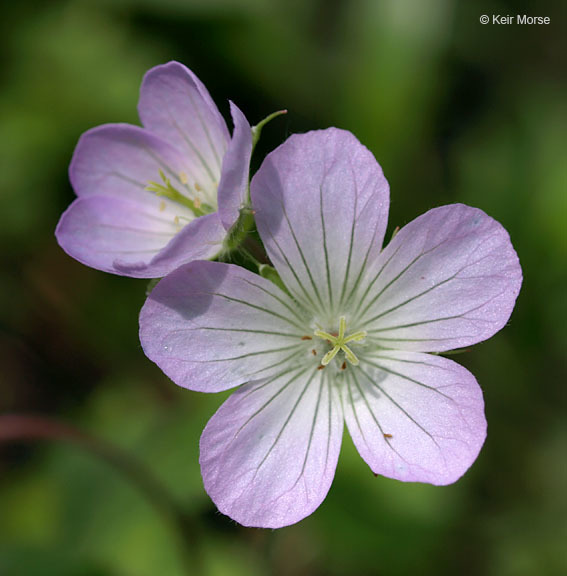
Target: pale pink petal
x,y
131,238
414,417
268,456
98,230
121,160
175,105
211,326
321,204
200,239
449,279
233,187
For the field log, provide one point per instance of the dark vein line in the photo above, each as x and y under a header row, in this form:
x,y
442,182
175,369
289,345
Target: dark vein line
x,y
426,252
280,300
382,339
463,315
351,243
167,169
395,279
255,306
205,129
375,418
308,270
286,422
407,301
259,353
372,282
325,247
282,361
118,251
292,270
404,377
268,382
329,429
193,148
408,415
376,421
143,231
246,330
267,403
351,399
455,275
127,179
356,284
406,361
311,433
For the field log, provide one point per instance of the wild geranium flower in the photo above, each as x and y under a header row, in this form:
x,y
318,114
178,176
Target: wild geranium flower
x,y
349,342
153,198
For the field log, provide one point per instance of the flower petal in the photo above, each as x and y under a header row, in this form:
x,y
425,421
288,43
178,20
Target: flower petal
x,y
414,417
175,105
321,205
131,238
120,160
233,187
268,456
448,279
200,239
98,230
211,326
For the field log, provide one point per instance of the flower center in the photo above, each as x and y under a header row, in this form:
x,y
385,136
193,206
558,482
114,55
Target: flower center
x,y
166,188
339,342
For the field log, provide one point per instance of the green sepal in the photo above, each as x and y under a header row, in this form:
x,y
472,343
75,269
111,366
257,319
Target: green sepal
x,y
238,232
257,130
270,273
454,352
395,232
151,285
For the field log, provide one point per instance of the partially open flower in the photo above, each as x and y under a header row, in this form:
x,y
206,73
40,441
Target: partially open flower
x,y
153,198
351,341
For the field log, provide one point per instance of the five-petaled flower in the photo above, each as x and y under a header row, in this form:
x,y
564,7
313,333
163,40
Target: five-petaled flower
x,y
153,198
348,343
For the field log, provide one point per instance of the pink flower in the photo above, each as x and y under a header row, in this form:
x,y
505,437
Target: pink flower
x,y
153,198
351,341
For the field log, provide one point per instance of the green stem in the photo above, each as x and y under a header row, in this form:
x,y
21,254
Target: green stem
x,y
25,428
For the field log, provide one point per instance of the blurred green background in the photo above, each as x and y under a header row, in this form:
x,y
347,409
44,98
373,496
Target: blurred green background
x,y
454,111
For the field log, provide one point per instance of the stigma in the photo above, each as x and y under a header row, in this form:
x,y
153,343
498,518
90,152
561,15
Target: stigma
x,y
339,343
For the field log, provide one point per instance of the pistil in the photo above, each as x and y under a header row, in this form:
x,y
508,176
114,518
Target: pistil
x,y
339,342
